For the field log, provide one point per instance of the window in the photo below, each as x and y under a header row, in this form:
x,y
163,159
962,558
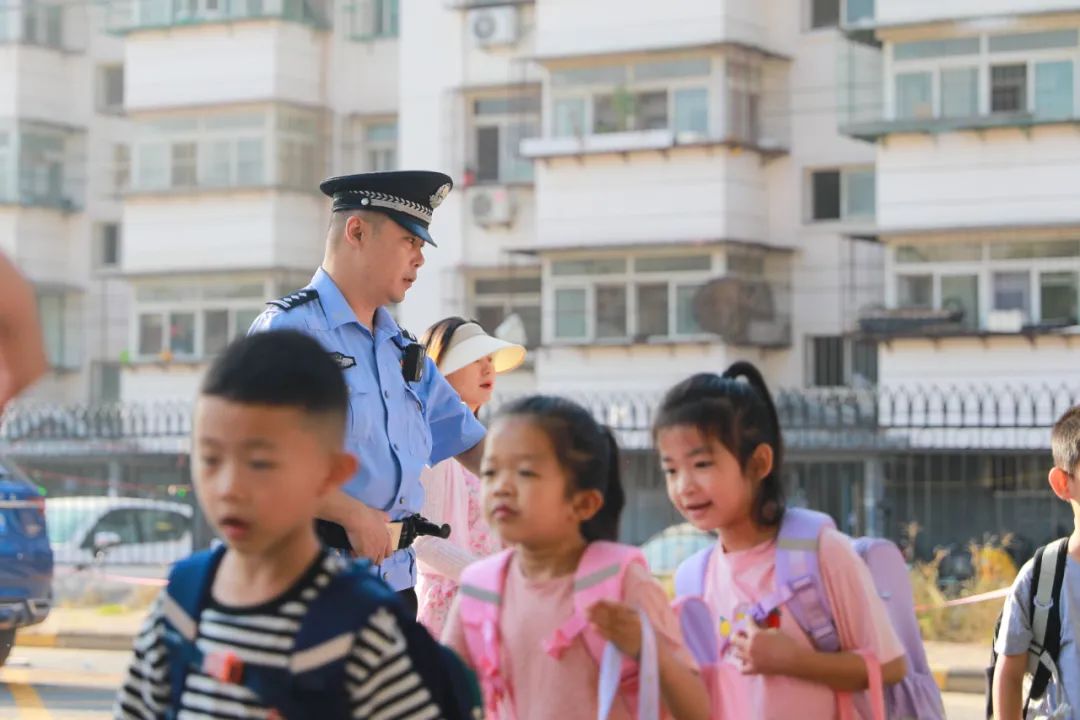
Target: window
x,y
915,291
374,19
111,88
1012,291
914,96
121,169
1008,88
650,296
106,386
960,92
828,361
835,361
859,10
927,49
961,293
121,522
824,13
611,311
1034,41
494,299
1058,292
51,314
201,317
278,146
163,526
826,193
744,100
151,334
499,127
655,95
380,141
183,163
570,318
845,194
1054,89
108,254
41,167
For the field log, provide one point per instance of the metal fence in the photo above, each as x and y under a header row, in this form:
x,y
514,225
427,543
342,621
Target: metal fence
x,y
962,462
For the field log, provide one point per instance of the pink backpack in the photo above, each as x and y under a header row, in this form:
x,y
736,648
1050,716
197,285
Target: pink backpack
x,y
800,589
599,577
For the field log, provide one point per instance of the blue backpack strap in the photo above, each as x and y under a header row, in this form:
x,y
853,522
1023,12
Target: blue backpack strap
x,y
313,685
185,596
690,575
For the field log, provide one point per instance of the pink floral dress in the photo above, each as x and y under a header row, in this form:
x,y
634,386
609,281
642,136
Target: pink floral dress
x,y
452,495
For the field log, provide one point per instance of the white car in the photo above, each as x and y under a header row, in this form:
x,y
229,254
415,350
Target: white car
x,y
118,530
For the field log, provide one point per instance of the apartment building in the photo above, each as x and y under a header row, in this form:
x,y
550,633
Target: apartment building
x,y
654,189
971,108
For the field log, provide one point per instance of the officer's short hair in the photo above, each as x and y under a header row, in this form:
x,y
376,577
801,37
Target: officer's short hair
x,y
1065,441
280,368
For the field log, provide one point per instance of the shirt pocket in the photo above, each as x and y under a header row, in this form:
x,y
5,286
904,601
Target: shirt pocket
x,y
363,406
419,432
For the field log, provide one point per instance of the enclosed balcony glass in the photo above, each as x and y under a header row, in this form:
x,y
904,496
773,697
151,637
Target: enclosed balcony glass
x,y
54,26
274,147
126,16
41,165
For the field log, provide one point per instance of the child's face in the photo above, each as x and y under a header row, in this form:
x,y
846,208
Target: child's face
x,y
261,471
705,481
525,488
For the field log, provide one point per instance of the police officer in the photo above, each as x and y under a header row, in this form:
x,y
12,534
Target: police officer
x,y
403,413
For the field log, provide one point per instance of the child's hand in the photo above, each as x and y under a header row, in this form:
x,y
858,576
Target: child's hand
x,y
618,623
764,652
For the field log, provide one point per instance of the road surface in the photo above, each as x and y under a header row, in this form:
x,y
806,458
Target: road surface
x,y
58,684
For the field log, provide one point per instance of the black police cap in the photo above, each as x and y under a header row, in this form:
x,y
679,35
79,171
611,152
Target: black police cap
x,y
409,197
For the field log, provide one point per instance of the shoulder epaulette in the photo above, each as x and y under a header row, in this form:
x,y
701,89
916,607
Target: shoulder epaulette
x,y
296,299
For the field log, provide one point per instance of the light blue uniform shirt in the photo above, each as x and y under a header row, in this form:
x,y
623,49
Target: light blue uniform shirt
x,y
395,428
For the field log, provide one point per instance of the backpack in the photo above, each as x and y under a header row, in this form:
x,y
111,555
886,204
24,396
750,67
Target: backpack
x,y
313,683
801,590
599,576
1045,624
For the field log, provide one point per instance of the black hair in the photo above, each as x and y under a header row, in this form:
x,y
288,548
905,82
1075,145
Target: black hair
x,y
1065,440
741,416
283,368
586,450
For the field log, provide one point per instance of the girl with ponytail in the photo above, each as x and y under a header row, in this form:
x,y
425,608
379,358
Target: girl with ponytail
x,y
721,451
534,620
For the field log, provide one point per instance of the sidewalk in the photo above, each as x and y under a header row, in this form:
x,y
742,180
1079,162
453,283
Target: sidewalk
x,y
957,667
106,628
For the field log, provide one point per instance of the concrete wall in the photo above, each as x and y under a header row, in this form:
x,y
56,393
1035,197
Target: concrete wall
x,y
1000,361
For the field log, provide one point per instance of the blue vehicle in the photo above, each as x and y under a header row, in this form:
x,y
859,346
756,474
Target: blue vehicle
x,y
26,560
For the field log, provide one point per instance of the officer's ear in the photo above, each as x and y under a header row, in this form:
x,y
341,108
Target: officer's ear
x,y
357,229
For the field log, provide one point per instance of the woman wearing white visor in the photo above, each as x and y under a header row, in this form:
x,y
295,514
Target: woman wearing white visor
x,y
469,359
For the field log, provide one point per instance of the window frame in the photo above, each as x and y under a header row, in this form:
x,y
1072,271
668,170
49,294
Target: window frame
x,y
984,267
846,173
589,92
982,61
200,302
630,278
529,123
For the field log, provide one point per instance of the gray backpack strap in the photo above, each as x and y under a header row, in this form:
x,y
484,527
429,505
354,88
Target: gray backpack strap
x,y
1041,604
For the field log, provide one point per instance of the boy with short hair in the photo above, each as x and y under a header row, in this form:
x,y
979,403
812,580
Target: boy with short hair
x,y
271,624
1055,574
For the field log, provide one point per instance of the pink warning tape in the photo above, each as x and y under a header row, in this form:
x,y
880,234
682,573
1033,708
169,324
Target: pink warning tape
x,y
969,600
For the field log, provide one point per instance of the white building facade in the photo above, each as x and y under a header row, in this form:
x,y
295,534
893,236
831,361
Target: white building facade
x,y
972,109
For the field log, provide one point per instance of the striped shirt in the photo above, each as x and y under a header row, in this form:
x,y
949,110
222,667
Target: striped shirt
x,y
381,681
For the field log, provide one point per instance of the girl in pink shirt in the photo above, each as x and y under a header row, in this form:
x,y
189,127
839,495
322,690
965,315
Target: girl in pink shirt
x,y
721,450
551,487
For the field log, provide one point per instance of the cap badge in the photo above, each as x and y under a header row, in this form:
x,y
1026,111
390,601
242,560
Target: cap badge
x,y
440,195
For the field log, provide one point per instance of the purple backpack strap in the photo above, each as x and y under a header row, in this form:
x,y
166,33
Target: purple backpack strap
x,y
798,577
690,575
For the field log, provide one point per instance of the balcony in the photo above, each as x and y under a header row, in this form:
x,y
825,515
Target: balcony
x,y
42,166
863,14
60,26
127,16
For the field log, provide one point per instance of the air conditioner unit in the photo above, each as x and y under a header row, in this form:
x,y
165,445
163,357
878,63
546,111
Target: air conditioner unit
x,y
494,26
492,206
